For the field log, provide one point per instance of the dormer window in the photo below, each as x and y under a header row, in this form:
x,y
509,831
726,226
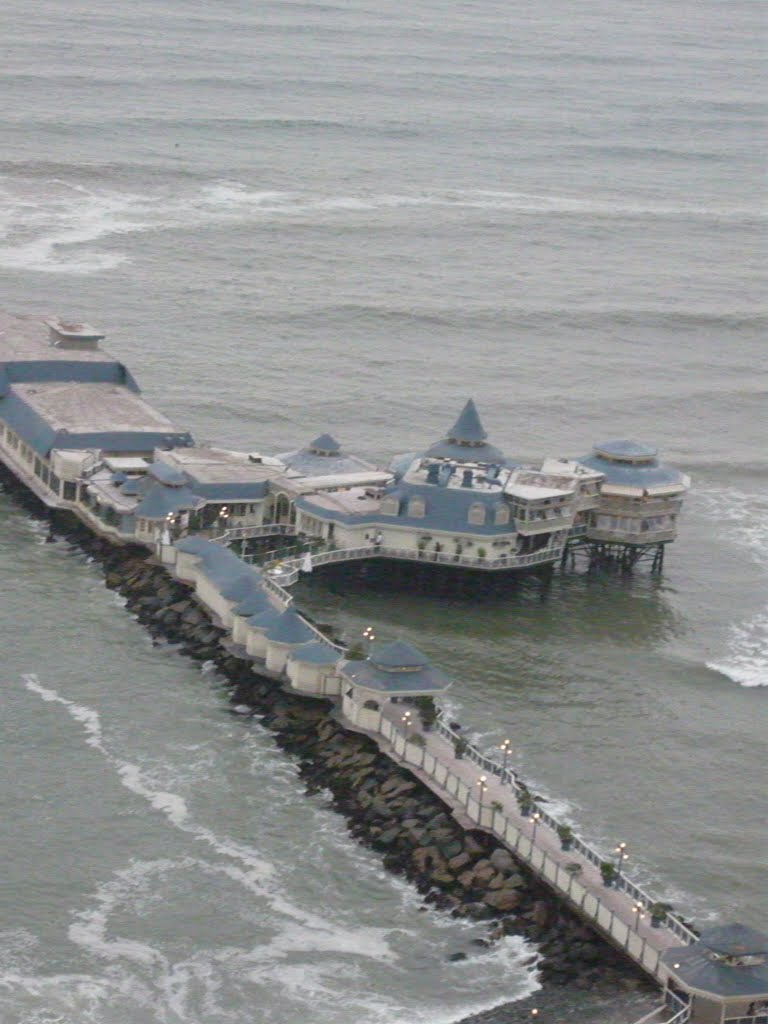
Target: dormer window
x,y
390,506
476,515
417,508
501,516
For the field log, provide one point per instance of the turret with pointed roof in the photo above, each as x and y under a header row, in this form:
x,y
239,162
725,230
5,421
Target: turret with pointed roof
x,y
465,441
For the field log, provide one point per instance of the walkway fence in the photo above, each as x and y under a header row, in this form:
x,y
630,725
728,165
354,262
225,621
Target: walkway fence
x,y
498,822
507,777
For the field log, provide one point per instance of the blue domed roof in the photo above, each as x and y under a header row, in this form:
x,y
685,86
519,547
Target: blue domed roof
x,y
631,464
625,451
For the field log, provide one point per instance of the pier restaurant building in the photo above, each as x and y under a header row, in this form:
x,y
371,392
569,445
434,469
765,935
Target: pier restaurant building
x,y
76,431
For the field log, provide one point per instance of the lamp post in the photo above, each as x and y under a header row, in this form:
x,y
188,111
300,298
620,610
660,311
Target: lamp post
x,y
368,637
505,747
483,789
621,855
407,721
638,908
535,819
223,517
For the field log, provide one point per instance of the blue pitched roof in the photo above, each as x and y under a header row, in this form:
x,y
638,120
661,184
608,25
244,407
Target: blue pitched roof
x,y
695,967
160,501
325,445
45,371
398,655
446,509
421,680
290,628
234,491
167,474
265,620
241,587
41,437
315,653
195,545
253,604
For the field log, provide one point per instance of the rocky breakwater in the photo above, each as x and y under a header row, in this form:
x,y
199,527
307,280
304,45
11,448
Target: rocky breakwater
x,y
465,873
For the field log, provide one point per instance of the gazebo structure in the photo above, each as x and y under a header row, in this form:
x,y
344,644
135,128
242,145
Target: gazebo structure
x,y
392,672
640,500
723,977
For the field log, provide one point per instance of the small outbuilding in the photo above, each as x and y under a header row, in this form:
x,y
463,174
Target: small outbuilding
x,y
723,976
392,671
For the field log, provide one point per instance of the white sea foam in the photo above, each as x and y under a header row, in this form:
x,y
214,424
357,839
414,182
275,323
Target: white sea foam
x,y
51,227
746,660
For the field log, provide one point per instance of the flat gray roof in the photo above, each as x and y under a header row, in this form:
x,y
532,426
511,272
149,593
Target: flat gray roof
x,y
82,408
218,466
27,339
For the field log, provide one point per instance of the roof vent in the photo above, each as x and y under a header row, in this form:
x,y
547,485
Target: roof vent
x,y
66,334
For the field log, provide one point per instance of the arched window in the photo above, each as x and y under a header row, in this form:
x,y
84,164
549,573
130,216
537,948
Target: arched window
x,y
476,515
390,506
501,516
417,508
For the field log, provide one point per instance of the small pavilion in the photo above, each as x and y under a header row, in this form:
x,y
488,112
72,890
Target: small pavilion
x,y
723,976
391,672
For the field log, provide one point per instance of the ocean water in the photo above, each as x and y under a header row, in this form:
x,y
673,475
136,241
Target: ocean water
x,y
299,217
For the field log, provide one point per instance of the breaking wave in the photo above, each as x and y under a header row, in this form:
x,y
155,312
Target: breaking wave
x,y
50,225
746,660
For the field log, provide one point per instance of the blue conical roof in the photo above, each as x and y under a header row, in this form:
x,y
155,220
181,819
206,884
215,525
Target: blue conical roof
x,y
325,445
398,656
468,427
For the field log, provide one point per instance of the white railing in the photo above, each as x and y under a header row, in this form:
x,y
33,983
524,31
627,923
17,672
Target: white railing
x,y
673,923
496,821
247,532
291,566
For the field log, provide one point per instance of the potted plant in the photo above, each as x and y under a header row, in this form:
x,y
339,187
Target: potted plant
x,y
427,712
573,868
481,553
658,912
524,801
497,805
565,835
608,872
460,747
355,652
